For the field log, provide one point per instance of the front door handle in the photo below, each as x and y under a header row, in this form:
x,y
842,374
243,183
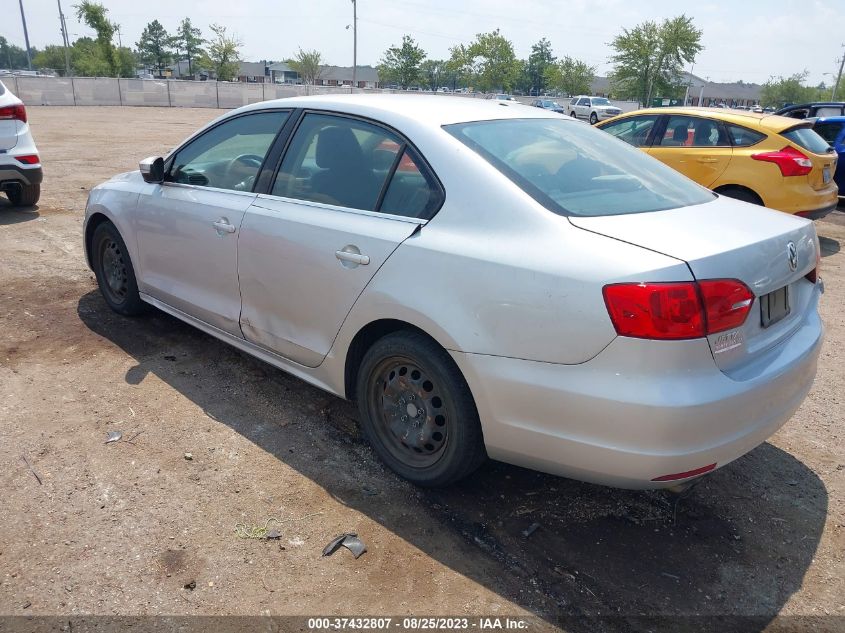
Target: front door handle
x,y
352,257
222,225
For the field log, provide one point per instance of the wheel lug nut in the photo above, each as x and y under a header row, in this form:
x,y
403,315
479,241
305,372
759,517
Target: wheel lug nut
x,y
404,418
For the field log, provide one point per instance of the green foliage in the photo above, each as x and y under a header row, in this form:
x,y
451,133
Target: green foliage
x,y
782,90
435,73
571,76
51,58
94,15
13,57
401,64
309,65
188,43
650,57
489,61
540,60
222,54
154,46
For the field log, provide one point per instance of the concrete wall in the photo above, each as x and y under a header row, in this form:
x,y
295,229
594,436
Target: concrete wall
x,y
107,91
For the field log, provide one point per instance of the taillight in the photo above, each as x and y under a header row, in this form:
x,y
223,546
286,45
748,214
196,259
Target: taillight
x,y
677,310
27,159
15,113
790,160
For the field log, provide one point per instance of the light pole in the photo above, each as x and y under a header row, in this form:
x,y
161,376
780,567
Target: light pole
x,y
354,45
25,36
65,40
838,78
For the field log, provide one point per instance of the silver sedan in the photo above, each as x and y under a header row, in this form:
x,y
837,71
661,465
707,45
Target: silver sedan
x,y
484,279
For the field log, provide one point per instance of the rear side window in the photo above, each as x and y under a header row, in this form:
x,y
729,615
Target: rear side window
x,y
828,111
2,88
806,138
412,191
633,130
828,131
743,137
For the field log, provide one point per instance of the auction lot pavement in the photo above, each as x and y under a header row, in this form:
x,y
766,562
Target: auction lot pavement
x,y
137,528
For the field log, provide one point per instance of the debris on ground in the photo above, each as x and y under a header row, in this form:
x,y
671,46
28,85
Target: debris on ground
x,y
32,470
191,585
189,456
256,531
114,436
349,540
530,530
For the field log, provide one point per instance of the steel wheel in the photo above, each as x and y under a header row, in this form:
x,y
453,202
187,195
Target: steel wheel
x,y
417,410
114,270
412,420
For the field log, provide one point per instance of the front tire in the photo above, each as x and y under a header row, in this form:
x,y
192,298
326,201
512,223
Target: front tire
x,y
114,271
417,411
24,195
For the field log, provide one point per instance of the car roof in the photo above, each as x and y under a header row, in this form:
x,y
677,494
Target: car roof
x,y
740,117
432,110
828,119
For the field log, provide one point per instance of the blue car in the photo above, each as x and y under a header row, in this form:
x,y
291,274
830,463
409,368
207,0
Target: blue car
x,y
832,129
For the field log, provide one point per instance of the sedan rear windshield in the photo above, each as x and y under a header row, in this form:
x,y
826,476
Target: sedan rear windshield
x,y
808,139
574,169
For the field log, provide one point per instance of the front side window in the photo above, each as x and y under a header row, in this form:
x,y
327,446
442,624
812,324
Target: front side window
x,y
633,130
828,131
828,111
229,155
686,131
573,169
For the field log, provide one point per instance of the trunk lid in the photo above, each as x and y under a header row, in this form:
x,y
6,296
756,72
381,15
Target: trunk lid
x,y
729,239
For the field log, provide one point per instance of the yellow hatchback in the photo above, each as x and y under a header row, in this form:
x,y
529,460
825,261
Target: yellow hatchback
x,y
765,159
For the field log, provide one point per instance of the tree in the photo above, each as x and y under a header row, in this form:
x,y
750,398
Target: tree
x,y
571,76
52,58
12,56
309,65
223,54
782,90
489,60
401,64
154,46
94,15
650,57
434,73
188,41
539,61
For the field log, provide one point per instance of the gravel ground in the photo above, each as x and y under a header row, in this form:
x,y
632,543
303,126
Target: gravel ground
x,y
136,528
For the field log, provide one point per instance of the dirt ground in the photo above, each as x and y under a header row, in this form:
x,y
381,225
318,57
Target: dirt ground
x,y
136,528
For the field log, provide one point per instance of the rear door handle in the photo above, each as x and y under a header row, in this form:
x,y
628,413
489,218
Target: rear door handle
x,y
708,160
222,225
354,258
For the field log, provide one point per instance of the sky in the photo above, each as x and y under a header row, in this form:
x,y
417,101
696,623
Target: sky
x,y
750,40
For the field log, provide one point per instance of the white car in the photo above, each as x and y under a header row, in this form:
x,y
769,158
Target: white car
x,y
20,166
592,109
482,280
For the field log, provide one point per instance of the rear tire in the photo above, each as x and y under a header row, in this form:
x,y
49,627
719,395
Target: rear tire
x,y
24,195
114,271
739,193
417,411
593,118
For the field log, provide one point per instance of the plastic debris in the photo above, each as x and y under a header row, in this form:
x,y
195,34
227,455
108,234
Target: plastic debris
x,y
114,436
349,540
189,456
530,530
273,534
191,585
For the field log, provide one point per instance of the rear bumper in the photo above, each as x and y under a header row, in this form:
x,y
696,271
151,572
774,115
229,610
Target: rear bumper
x,y
23,175
818,214
640,409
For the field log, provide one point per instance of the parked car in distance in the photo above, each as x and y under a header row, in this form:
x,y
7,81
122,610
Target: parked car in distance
x,y
592,109
815,109
548,104
502,97
769,160
832,130
20,165
483,281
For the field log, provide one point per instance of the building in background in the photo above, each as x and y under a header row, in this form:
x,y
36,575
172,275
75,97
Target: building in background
x,y
367,76
282,73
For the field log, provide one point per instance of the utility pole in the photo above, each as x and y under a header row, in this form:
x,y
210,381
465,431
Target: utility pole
x,y
25,36
65,39
838,77
355,45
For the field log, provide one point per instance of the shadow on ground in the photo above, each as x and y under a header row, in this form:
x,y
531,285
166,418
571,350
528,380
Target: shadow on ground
x,y
829,246
10,214
738,544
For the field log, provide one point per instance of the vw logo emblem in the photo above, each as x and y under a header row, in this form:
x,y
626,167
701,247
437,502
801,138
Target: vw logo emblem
x,y
792,256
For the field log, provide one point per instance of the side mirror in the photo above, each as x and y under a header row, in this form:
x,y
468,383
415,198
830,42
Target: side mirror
x,y
152,169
